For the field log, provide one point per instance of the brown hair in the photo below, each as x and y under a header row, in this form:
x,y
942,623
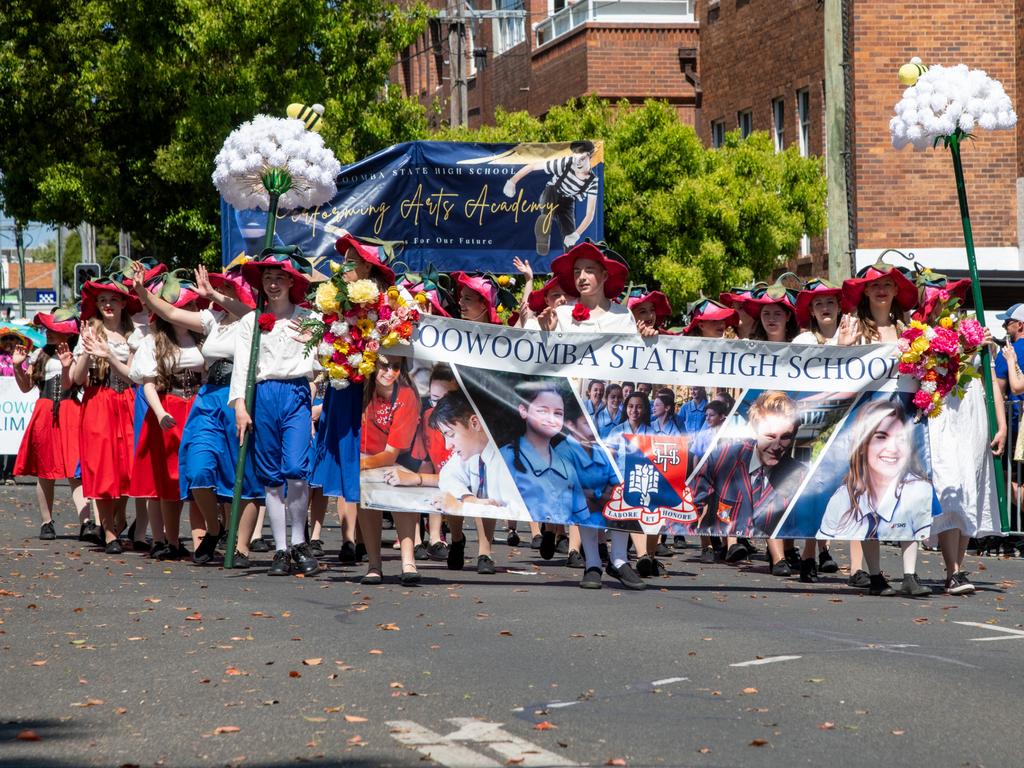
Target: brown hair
x,y
166,350
773,404
101,366
869,328
757,333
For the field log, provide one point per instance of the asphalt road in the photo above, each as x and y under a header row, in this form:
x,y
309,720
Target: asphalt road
x,y
123,661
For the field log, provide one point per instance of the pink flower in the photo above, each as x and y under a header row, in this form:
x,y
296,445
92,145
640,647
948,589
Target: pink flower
x,y
385,312
372,346
329,338
910,334
946,341
923,400
972,332
902,344
908,368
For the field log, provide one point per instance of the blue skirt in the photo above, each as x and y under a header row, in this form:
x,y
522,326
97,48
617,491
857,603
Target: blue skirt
x,y
335,460
141,409
209,448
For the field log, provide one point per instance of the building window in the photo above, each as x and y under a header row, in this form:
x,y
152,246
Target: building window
x,y
717,133
745,121
779,123
508,32
803,110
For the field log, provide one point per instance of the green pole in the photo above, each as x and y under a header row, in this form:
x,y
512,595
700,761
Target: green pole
x,y
979,311
250,393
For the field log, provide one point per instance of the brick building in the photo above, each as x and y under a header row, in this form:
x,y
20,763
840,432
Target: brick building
x,y
534,54
762,67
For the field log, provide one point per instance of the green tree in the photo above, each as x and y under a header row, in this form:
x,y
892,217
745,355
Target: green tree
x,y
114,109
689,219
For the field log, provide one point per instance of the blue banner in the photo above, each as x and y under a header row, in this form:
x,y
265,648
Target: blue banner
x,y
453,205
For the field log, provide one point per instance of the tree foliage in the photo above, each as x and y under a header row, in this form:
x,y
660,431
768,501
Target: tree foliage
x,y
114,109
690,220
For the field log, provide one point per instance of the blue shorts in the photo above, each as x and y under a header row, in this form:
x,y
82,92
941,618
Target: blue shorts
x,y
281,419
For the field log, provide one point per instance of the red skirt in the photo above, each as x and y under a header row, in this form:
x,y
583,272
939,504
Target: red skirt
x,y
50,451
106,440
155,472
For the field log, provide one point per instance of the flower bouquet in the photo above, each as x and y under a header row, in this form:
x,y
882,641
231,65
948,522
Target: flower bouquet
x,y
357,323
941,356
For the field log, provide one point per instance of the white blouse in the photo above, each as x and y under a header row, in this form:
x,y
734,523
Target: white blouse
x,y
53,366
220,337
617,319
144,363
282,355
119,349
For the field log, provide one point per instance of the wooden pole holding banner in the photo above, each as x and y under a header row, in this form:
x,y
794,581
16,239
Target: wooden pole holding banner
x,y
953,142
277,183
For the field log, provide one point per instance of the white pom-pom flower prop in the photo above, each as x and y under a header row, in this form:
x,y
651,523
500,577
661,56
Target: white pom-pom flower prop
x,y
942,101
275,155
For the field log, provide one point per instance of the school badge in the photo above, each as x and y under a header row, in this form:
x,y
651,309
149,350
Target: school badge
x,y
654,491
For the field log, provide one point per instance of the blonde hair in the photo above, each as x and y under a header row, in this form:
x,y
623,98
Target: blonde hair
x,y
773,404
167,350
101,366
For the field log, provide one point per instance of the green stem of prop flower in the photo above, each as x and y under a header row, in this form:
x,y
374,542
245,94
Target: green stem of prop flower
x,y
979,311
250,376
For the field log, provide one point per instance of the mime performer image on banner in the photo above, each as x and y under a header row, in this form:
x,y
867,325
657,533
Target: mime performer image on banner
x,y
746,485
572,180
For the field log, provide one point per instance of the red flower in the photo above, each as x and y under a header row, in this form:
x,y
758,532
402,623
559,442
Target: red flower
x,y
580,313
267,322
331,317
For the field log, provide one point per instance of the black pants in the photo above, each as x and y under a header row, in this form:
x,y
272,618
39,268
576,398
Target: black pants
x,y
563,214
7,471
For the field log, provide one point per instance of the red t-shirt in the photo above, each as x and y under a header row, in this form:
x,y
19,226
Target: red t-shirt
x,y
386,425
437,449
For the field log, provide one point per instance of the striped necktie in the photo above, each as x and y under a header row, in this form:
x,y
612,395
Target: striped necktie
x,y
481,485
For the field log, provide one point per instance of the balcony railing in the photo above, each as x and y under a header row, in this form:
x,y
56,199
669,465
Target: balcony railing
x,y
621,11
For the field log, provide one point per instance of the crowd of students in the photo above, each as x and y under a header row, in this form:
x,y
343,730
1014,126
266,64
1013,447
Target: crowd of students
x,y
142,397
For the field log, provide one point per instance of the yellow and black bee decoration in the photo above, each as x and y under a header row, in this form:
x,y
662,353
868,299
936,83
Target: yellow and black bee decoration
x,y
310,115
909,72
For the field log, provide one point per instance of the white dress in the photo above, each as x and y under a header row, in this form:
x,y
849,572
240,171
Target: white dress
x,y
962,469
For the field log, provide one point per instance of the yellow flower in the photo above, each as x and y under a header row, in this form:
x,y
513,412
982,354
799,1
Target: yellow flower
x,y
918,324
390,340
327,297
342,347
946,322
366,367
392,292
366,325
909,357
371,356
363,292
336,371
335,267
919,345
421,298
504,280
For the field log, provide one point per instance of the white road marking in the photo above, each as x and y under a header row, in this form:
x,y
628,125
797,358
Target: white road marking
x,y
448,752
669,680
766,660
1010,634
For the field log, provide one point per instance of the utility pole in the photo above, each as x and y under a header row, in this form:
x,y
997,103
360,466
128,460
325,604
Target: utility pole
x,y
837,149
459,109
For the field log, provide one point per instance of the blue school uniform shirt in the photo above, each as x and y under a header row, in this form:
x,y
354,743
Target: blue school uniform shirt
x,y
691,416
606,420
550,488
593,412
668,428
593,469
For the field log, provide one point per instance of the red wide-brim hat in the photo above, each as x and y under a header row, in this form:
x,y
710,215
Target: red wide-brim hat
x,y
538,300
371,254
774,294
853,288
67,324
252,271
735,297
562,267
812,290
431,296
242,288
711,310
662,308
481,286
93,288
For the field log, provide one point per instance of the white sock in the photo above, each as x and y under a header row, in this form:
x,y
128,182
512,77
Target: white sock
x,y
909,556
589,545
298,508
619,548
275,513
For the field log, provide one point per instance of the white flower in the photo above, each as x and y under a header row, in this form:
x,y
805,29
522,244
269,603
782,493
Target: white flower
x,y
339,328
928,386
947,98
266,143
339,383
355,359
324,349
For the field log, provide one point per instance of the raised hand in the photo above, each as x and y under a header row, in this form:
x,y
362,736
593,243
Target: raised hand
x,y
646,330
203,286
849,331
547,319
64,355
524,268
19,355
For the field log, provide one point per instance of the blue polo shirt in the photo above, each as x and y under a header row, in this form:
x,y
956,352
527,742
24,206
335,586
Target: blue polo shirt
x,y
548,486
593,469
1003,372
606,420
691,416
591,410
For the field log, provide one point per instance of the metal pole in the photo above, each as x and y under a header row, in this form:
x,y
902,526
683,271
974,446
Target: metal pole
x,y
59,282
979,311
19,244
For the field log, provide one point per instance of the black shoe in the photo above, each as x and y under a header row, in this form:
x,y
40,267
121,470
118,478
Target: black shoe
x,y
658,568
420,552
602,552
316,547
259,545
158,548
792,555
547,544
347,555
485,565
130,535
47,532
707,555
113,548
281,566
736,554
859,580
371,579
91,533
679,542
879,587
304,559
781,568
171,553
222,540
591,578
409,578
626,576
206,550
576,560
644,567
562,546
512,539
663,550
959,584
826,563
809,571
438,551
360,551
751,549
140,546
536,541
241,561
911,587
457,554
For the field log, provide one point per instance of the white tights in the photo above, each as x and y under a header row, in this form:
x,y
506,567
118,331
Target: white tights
x,y
296,500
589,543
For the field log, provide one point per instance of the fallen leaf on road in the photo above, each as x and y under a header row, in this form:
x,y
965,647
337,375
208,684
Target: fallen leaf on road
x,y
311,662
234,671
920,619
759,743
293,673
355,740
544,726
826,726
750,690
316,719
354,719
225,729
898,732
616,761
152,600
40,663
815,680
88,703
705,750
505,633
197,616
389,627
375,651
28,735
515,760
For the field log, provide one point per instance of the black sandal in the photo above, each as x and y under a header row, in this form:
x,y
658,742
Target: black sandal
x,y
409,578
372,578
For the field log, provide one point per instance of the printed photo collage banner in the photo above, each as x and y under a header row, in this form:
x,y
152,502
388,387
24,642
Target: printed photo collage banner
x,y
671,434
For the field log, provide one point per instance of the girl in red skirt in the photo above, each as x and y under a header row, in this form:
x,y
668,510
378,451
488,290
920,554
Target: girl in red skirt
x,y
102,364
49,448
169,365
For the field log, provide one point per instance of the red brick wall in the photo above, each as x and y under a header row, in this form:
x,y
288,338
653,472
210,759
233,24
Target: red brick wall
x,y
907,198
